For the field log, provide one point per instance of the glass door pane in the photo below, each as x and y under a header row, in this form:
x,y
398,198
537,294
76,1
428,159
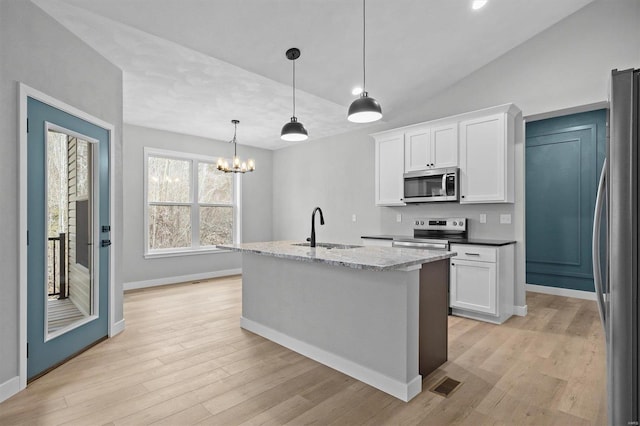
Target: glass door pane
x,y
70,232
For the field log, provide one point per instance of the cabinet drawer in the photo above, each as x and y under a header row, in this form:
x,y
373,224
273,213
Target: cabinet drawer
x,y
474,252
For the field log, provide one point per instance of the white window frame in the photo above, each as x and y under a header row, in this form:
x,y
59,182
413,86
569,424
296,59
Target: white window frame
x,y
194,204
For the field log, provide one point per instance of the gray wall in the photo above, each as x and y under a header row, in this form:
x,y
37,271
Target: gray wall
x,y
565,66
257,200
39,52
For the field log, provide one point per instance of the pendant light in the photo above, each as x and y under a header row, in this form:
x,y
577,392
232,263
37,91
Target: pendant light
x,y
294,131
364,109
237,166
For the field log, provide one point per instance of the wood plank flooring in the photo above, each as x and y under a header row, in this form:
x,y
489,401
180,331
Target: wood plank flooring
x,y
183,360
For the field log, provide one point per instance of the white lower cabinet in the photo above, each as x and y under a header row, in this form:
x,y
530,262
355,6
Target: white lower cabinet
x,y
481,282
473,286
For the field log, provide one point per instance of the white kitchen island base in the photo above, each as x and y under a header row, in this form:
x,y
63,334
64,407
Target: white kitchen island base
x,y
362,322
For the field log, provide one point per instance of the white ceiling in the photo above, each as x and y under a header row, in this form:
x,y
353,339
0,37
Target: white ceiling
x,y
190,66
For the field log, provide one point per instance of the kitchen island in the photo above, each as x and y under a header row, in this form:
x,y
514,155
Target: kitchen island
x,y
378,314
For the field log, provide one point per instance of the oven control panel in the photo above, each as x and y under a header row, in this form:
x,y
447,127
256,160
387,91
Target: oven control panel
x,y
441,224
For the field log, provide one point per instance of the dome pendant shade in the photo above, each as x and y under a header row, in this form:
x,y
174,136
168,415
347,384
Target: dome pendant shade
x,y
364,110
294,131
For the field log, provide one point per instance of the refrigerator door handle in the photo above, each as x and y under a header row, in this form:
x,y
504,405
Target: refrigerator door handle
x,y
597,220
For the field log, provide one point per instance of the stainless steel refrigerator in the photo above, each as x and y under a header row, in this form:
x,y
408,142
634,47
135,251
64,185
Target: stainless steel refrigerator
x,y
615,248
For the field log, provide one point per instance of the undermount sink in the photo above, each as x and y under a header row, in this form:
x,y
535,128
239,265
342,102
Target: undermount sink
x,y
329,245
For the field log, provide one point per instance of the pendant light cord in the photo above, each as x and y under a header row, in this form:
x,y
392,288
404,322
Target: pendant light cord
x,y
364,43
294,87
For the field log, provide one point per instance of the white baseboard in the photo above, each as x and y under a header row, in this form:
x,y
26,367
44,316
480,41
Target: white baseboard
x,y
9,388
180,279
557,291
520,310
401,390
116,328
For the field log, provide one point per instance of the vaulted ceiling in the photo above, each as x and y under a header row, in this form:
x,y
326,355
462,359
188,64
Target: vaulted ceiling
x,y
190,66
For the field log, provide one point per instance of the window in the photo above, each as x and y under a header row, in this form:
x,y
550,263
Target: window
x,y
190,205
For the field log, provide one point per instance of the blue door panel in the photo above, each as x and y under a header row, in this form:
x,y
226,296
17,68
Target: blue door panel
x,y
43,355
563,158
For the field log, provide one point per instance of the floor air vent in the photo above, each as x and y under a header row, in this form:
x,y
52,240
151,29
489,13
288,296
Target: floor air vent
x,y
445,386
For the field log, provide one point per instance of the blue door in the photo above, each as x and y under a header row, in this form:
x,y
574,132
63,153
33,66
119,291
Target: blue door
x,y
564,156
67,208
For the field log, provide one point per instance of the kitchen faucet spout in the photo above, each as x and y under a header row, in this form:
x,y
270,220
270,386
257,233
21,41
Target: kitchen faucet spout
x,y
312,240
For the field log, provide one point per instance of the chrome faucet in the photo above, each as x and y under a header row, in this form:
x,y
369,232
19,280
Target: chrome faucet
x,y
312,240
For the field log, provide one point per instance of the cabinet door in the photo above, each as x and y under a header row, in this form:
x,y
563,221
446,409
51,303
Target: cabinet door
x,y
482,160
444,145
473,286
389,168
417,150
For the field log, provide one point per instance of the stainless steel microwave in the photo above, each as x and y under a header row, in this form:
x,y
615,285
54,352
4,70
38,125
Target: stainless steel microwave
x,y
426,186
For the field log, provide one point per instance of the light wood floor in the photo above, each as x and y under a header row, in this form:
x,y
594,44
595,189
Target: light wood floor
x,y
183,359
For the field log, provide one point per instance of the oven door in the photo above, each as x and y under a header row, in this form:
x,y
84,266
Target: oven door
x,y
431,185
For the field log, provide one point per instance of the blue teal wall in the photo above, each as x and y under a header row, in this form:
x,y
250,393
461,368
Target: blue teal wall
x,y
564,156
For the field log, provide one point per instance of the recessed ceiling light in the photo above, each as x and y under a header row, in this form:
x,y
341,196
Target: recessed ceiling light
x,y
356,91
478,4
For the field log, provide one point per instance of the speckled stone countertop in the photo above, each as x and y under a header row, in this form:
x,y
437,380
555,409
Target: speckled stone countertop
x,y
360,257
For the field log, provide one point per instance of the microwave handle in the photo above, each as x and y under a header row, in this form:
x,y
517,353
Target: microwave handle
x,y
444,183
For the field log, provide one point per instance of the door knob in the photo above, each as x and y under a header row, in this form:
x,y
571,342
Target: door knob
x,y
106,243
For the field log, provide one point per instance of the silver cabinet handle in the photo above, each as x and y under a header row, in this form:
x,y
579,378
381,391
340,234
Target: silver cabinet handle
x,y
472,254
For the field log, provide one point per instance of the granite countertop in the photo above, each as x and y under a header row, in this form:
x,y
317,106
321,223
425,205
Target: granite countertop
x,y
473,241
358,257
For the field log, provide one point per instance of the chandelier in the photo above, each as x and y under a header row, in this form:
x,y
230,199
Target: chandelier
x,y
237,166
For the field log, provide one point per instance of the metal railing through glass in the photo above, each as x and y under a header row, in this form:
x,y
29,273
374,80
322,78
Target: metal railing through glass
x,y
57,266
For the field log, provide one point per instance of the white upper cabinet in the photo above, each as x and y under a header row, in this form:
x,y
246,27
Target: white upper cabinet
x,y
417,149
444,145
481,143
431,147
389,168
487,158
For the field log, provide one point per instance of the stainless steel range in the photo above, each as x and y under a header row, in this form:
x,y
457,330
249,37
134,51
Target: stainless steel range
x,y
435,233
